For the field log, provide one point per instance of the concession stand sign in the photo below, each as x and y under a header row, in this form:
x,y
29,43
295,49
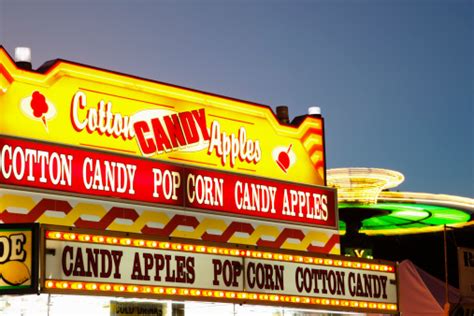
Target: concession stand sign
x,y
40,165
81,262
75,132
82,106
18,258
80,130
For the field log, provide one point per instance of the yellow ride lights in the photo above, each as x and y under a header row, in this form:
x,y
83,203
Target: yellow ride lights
x,y
453,201
362,185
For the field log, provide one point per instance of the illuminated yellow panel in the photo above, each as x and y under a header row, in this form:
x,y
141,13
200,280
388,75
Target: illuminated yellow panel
x,y
96,109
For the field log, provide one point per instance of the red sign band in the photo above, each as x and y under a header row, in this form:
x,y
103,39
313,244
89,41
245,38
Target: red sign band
x,y
93,173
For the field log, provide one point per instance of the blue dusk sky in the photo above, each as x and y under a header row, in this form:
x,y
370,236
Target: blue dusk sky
x,y
394,79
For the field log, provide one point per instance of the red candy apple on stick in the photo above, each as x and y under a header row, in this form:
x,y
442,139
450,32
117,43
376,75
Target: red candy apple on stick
x,y
283,160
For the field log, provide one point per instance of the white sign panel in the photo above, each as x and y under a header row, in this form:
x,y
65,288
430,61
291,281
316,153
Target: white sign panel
x,y
131,265
319,281
466,271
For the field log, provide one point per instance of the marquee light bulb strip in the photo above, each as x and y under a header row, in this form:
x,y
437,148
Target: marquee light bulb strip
x,y
119,288
175,246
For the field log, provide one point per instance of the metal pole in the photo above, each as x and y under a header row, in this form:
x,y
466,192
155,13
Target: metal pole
x,y
49,303
446,285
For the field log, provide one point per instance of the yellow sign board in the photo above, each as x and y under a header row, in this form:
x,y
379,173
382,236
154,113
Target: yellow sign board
x,y
95,109
18,259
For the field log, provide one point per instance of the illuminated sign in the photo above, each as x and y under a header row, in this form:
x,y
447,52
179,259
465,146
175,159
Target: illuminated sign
x,y
90,108
359,252
132,266
38,165
18,259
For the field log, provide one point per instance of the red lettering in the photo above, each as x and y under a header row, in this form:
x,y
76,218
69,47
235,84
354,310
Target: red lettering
x,y
265,276
147,146
175,131
92,266
99,119
67,266
229,270
117,258
170,132
161,140
137,269
160,264
200,117
106,259
190,269
170,277
148,259
189,127
79,264
180,267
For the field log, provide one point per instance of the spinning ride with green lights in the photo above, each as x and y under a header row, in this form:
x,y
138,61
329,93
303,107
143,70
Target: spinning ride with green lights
x,y
366,205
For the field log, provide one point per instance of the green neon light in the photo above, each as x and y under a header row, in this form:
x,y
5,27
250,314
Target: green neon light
x,y
408,216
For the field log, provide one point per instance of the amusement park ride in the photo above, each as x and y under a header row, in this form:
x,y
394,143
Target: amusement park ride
x,y
393,225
